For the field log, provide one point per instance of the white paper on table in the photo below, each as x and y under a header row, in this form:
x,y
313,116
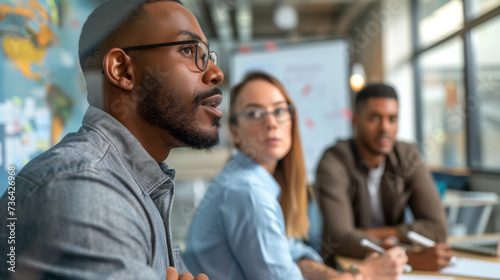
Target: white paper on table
x,y
424,277
474,268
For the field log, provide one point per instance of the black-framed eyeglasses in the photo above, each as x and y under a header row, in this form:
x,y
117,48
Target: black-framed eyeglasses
x,y
258,116
200,52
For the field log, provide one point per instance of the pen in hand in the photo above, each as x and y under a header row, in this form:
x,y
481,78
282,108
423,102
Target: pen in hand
x,y
419,239
368,244
426,242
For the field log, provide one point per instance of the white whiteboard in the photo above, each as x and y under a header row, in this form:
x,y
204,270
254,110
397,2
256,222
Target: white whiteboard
x,y
316,76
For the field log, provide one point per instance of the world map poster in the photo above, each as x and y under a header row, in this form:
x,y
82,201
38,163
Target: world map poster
x,y
42,90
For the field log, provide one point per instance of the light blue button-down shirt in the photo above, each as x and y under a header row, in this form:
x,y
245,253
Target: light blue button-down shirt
x,y
238,231
95,206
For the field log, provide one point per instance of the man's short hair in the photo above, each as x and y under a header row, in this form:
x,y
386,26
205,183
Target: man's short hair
x,y
373,91
103,23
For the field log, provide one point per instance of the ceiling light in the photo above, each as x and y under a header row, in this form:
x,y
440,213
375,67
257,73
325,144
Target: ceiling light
x,y
358,77
285,17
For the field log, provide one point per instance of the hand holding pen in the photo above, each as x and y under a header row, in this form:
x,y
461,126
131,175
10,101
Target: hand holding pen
x,y
368,244
425,242
434,256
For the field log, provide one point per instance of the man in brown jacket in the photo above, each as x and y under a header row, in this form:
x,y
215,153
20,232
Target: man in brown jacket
x,y
365,184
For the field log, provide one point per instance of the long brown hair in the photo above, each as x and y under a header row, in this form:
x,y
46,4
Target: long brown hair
x,y
290,171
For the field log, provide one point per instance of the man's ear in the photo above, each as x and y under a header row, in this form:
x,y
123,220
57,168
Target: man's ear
x,y
118,69
355,120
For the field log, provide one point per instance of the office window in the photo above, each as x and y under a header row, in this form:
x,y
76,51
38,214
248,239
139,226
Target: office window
x,y
480,7
457,74
438,19
485,44
443,102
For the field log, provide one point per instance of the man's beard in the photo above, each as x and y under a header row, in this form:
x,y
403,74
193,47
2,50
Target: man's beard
x,y
372,150
164,108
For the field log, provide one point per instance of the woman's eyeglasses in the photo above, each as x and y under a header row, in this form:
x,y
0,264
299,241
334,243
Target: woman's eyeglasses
x,y
258,116
200,51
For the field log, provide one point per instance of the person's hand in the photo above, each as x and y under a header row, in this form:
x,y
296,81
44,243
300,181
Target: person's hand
x,y
389,242
433,258
314,270
173,275
388,266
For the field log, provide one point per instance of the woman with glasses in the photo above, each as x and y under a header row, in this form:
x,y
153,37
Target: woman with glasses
x,y
253,217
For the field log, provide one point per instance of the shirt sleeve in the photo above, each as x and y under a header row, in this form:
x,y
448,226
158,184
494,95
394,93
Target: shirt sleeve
x,y
340,235
83,226
300,250
424,202
254,224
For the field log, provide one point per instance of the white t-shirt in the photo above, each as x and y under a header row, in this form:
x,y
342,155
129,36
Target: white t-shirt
x,y
377,214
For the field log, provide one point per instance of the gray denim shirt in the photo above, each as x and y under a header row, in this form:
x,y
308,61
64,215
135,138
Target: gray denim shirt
x,y
95,206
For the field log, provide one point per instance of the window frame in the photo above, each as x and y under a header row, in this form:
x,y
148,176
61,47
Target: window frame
x,y
470,76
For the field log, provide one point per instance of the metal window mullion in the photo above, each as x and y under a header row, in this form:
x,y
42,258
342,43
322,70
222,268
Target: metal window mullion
x,y
471,108
417,76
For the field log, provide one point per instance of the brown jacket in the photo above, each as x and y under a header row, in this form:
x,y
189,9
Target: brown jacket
x,y
344,200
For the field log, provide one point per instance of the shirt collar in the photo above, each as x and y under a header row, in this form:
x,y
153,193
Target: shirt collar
x,y
378,171
270,184
148,174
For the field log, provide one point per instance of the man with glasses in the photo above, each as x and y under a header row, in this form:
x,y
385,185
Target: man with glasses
x,y
98,204
366,183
